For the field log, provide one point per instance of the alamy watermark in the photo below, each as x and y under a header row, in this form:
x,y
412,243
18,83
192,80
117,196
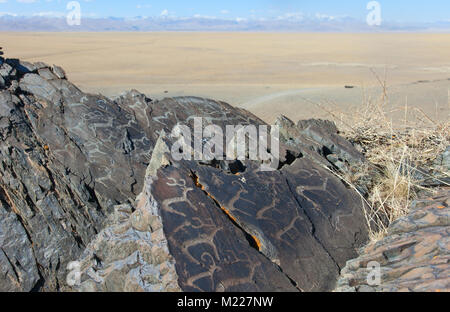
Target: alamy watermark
x,y
239,143
73,278
74,16
374,276
374,16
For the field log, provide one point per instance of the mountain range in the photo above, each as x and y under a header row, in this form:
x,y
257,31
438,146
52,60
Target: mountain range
x,y
290,23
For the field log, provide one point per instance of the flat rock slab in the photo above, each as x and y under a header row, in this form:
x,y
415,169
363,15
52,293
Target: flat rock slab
x,y
414,256
237,232
211,253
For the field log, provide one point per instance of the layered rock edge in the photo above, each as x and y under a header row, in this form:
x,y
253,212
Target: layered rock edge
x,y
413,257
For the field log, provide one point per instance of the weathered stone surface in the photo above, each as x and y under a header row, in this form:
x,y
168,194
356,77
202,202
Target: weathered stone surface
x,y
444,159
40,88
335,214
66,159
19,270
8,104
59,72
325,133
253,227
130,254
22,66
5,70
211,253
318,140
439,175
72,165
414,256
433,176
46,73
41,65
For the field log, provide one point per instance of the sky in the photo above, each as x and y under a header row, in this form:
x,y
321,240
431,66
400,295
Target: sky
x,y
392,10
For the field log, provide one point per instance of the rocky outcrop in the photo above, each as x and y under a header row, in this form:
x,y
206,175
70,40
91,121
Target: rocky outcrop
x,y
84,177
414,255
319,141
252,230
130,254
441,167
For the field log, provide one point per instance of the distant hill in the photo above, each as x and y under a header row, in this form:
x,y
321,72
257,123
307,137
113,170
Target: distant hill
x,y
288,23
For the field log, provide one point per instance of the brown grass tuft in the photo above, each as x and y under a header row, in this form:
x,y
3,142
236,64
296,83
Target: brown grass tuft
x,y
395,151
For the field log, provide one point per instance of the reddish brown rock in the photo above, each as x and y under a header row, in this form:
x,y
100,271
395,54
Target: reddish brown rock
x,y
289,229
414,256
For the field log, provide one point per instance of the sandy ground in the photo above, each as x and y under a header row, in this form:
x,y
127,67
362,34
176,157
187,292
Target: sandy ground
x,y
266,73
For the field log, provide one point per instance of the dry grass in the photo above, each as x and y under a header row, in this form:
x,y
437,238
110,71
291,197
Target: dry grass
x,y
394,152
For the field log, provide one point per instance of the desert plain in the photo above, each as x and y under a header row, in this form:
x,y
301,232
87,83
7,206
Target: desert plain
x,y
300,75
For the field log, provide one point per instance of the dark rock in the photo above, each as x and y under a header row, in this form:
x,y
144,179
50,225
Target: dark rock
x,y
435,175
14,85
8,103
325,132
319,141
40,65
22,66
442,162
211,252
290,219
70,159
59,72
5,70
335,213
40,88
46,74
19,270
